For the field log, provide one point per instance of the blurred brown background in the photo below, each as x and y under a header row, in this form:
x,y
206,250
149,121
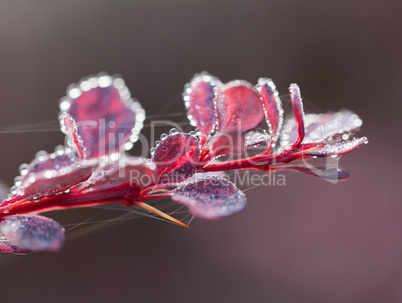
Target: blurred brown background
x,y
310,241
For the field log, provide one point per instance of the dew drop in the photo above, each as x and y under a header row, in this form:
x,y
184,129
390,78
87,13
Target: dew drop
x,y
20,191
13,190
48,174
164,136
85,86
129,145
105,81
74,93
23,169
124,92
17,181
65,105
40,154
173,131
118,83
358,122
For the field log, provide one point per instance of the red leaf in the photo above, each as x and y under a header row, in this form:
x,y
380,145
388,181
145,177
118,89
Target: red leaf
x,y
176,157
238,106
322,128
211,198
199,100
50,174
127,169
338,148
272,106
21,234
108,120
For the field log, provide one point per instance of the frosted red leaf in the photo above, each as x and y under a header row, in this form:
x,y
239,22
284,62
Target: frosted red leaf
x,y
199,97
272,106
338,148
50,174
30,233
176,157
238,105
211,198
323,128
108,120
127,169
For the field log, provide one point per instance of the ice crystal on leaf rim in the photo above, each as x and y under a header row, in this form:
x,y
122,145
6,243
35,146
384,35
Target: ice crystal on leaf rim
x,y
101,121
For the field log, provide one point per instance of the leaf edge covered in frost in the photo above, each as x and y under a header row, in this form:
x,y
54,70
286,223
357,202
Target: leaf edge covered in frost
x,y
190,102
104,80
24,186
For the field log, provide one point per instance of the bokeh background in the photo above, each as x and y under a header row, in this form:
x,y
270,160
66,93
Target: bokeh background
x,y
311,241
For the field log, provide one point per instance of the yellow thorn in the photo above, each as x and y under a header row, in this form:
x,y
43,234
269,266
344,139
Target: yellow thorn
x,y
160,213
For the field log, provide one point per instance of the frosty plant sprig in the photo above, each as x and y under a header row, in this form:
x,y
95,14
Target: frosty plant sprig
x,y
101,122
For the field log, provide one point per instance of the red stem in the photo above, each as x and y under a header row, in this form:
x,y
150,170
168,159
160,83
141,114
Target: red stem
x,y
156,196
126,194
